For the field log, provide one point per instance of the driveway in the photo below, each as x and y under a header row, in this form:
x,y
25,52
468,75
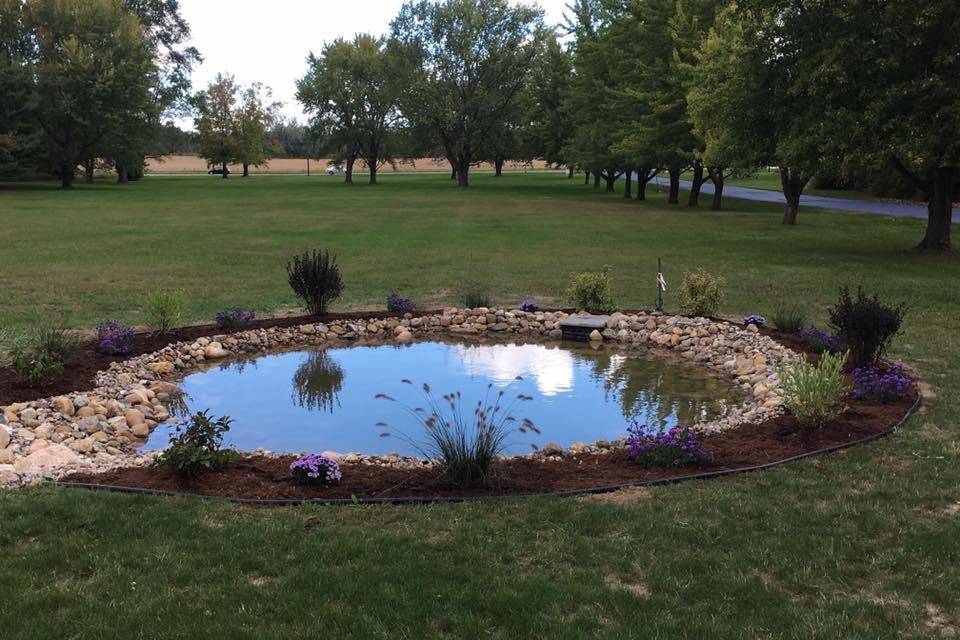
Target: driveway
x,y
895,209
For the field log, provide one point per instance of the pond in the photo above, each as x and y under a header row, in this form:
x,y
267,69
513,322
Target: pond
x,y
324,399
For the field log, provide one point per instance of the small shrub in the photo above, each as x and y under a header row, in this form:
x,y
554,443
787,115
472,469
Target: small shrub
x,y
198,446
813,393
114,338
315,278
164,308
866,325
529,305
822,341
675,447
235,318
871,384
701,293
474,295
398,304
789,318
42,353
464,442
592,290
754,319
316,469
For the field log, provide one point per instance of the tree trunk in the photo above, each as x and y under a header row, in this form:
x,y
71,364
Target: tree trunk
x,y
246,170
586,177
628,184
498,167
463,174
373,170
348,178
611,179
67,175
641,189
596,179
674,197
122,176
715,175
939,211
569,172
793,182
88,171
696,184
644,176
223,166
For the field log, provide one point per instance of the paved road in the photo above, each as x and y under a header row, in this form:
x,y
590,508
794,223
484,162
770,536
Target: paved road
x,y
842,204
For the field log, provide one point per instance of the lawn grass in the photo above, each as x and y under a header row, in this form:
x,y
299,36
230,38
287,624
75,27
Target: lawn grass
x,y
770,181
861,544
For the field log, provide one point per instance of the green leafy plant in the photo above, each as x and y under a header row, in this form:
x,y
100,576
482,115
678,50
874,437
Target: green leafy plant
x,y
474,294
42,353
866,325
701,293
813,393
315,278
164,308
592,290
789,318
198,446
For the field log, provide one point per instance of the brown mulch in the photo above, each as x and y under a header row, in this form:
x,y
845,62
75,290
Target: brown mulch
x,y
746,446
78,375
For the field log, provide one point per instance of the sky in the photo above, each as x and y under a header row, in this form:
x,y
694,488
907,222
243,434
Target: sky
x,y
268,40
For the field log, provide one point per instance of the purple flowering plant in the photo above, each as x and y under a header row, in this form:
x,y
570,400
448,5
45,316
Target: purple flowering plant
x,y
755,319
114,338
873,384
674,447
234,318
529,305
316,468
822,341
398,304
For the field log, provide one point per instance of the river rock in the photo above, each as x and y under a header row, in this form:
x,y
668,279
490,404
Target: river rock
x,y
46,459
162,367
63,404
4,436
214,351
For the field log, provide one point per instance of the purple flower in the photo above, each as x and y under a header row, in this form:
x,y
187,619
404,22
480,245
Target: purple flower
x,y
398,304
822,341
234,318
529,305
754,318
114,339
675,447
871,384
317,469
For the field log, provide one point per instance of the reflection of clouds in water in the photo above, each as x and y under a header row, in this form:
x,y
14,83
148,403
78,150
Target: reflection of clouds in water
x,y
550,369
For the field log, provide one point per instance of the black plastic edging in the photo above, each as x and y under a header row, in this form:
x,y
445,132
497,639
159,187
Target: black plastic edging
x,y
556,494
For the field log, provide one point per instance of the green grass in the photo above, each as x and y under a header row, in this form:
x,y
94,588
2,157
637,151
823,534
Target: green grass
x,y
861,544
770,181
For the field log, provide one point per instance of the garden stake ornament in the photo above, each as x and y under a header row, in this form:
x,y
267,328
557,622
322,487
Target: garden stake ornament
x,y
661,286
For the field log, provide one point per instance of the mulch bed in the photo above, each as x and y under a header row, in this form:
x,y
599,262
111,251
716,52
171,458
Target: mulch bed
x,y
261,478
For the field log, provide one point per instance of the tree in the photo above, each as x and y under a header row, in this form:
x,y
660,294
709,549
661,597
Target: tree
x,y
19,135
748,101
352,90
471,59
90,65
216,122
887,75
550,124
253,119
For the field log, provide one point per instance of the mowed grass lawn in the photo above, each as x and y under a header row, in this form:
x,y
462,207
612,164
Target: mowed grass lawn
x,y
861,544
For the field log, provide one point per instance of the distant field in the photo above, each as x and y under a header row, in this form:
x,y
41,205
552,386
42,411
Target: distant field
x,y
193,164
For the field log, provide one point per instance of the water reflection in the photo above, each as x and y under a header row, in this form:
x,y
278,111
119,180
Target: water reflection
x,y
317,382
314,400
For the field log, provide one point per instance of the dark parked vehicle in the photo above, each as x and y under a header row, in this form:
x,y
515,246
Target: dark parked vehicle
x,y
218,171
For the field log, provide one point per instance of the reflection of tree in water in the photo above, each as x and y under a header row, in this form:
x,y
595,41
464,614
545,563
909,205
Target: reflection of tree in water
x,y
653,392
178,405
317,382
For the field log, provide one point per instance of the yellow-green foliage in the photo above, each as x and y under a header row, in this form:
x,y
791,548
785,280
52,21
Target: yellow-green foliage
x,y
813,393
701,293
592,290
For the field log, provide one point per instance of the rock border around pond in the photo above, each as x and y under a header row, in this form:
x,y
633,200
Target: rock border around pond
x,y
100,429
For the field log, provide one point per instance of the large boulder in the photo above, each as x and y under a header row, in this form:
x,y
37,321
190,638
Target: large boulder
x,y
45,460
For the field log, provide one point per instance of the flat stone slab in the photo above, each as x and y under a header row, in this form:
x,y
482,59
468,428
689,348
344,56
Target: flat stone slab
x,y
585,322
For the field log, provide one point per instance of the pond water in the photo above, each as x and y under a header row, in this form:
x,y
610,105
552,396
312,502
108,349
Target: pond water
x,y
316,400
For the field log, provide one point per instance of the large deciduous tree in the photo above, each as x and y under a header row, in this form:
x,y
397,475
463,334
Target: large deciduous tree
x,y
216,122
254,118
471,59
